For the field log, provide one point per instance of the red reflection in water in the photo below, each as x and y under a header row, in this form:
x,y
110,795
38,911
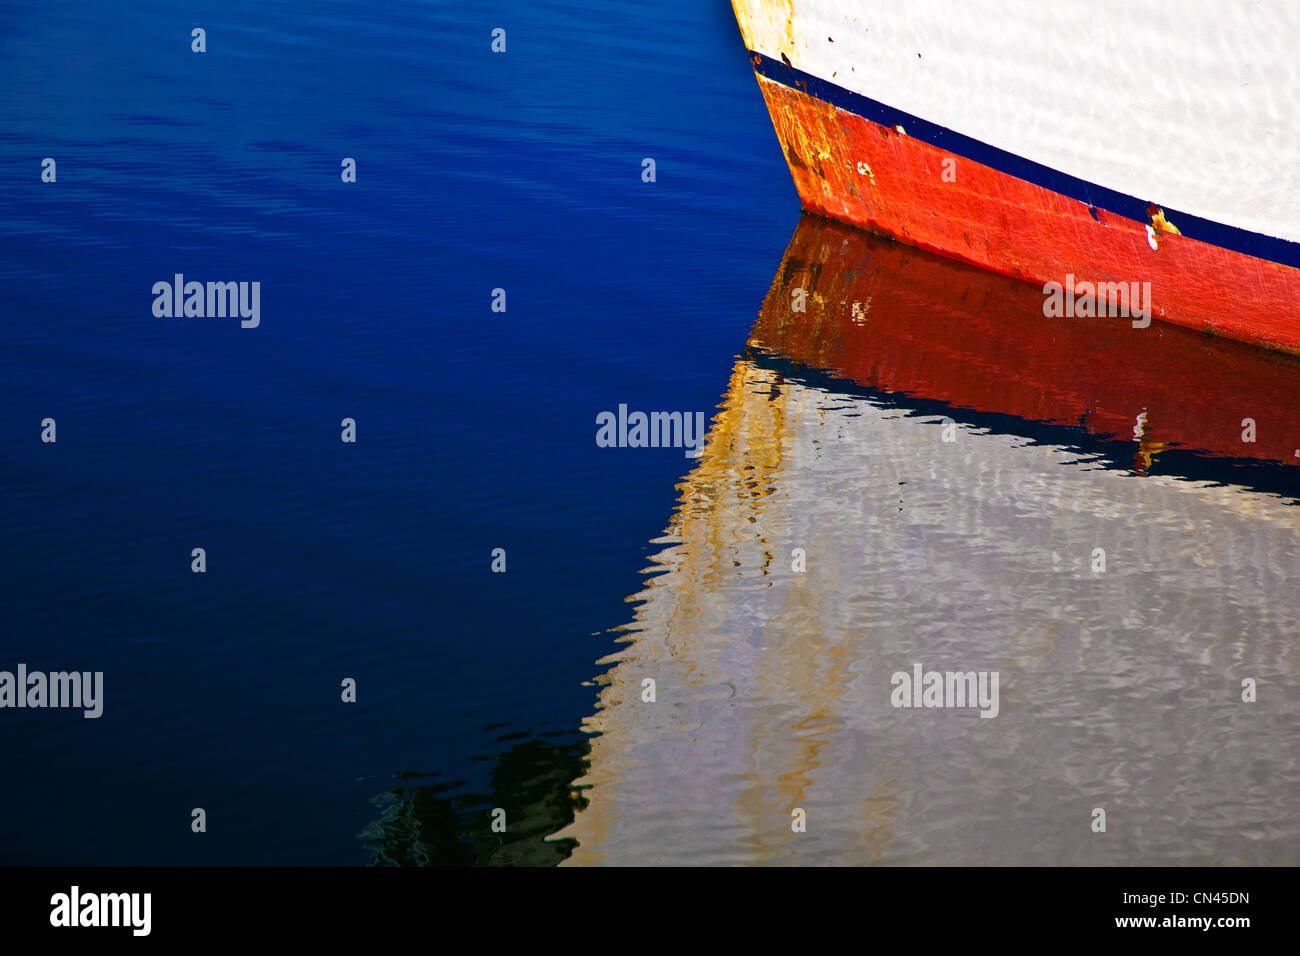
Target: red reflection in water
x,y
895,318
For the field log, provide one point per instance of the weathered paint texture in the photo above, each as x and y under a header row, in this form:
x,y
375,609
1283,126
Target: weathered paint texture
x,y
849,168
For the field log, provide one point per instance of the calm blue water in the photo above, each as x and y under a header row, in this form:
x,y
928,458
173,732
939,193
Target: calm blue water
x,y
475,429
372,560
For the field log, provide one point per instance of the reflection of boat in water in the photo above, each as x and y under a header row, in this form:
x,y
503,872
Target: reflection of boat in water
x,y
1120,688
884,316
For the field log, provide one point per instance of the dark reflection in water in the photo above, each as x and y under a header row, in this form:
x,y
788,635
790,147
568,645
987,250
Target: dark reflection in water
x,y
918,467
440,824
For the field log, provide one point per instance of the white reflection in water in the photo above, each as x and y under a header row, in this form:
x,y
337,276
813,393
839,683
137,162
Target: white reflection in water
x,y
1120,689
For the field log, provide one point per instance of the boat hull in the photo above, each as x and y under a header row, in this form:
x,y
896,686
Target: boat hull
x,y
870,164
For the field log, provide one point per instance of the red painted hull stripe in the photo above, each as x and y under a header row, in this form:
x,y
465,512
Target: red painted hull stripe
x,y
1098,197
